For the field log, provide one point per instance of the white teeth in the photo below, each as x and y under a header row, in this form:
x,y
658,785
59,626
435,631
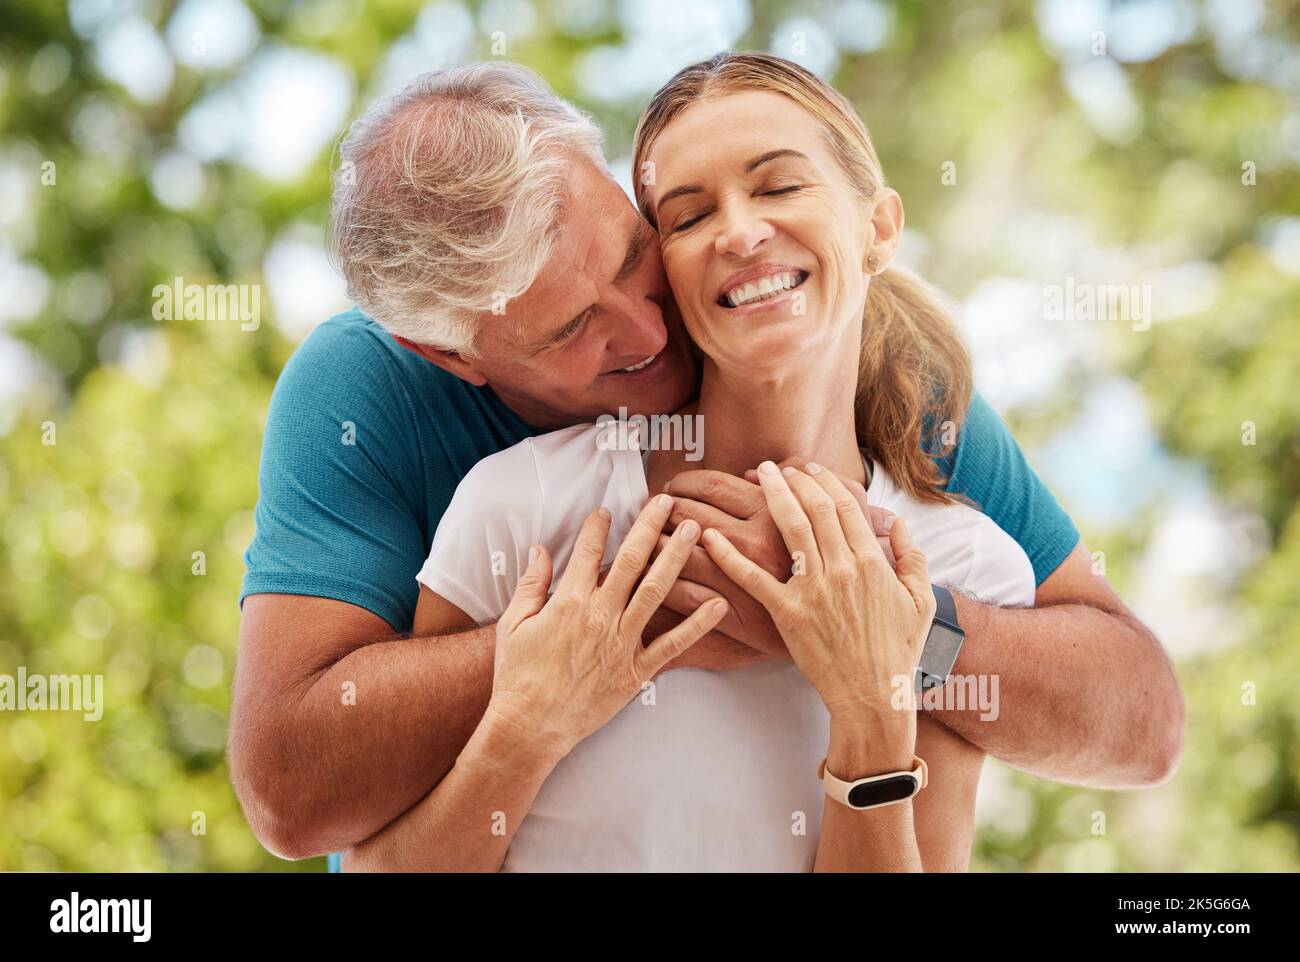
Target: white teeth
x,y
764,287
637,367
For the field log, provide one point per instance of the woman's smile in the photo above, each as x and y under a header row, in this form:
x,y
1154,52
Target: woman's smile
x,y
760,288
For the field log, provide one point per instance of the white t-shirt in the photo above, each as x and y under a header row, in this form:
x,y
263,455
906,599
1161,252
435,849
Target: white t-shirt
x,y
706,771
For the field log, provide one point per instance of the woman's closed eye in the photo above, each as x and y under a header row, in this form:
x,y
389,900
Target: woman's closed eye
x,y
692,219
689,221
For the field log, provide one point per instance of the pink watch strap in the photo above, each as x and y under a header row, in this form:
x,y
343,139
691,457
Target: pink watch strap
x,y
839,789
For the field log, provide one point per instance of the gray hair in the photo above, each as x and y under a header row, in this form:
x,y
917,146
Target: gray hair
x,y
449,196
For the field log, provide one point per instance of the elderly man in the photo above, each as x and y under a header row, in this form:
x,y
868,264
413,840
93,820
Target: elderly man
x,y
509,287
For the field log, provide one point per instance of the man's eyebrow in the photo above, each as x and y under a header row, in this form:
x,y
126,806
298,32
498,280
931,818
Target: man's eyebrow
x,y
634,248
750,167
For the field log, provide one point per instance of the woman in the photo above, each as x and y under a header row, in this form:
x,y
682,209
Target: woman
x,y
777,232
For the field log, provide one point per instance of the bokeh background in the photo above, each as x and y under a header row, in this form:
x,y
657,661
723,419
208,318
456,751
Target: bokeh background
x,y
1151,143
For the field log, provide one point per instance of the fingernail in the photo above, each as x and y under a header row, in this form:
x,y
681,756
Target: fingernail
x,y
788,472
710,536
604,513
812,467
889,522
717,608
688,530
767,467
532,555
667,484
663,502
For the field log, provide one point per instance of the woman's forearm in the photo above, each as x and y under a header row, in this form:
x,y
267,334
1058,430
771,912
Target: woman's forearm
x,y
467,822
876,839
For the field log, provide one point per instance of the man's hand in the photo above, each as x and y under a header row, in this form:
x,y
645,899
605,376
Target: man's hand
x,y
737,508
714,652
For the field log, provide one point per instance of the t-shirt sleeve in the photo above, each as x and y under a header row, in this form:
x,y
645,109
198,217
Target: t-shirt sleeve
x,y
1000,571
989,468
540,491
340,481
479,551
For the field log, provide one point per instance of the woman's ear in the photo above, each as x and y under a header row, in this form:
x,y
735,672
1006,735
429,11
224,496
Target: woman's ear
x,y
886,230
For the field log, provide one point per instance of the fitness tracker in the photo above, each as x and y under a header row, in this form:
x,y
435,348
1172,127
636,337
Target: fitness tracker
x,y
875,790
942,643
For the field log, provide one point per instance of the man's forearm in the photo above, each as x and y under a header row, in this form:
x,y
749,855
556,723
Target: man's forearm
x,y
466,824
363,740
355,742
1083,695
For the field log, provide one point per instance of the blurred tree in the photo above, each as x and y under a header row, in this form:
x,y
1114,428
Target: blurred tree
x,y
158,423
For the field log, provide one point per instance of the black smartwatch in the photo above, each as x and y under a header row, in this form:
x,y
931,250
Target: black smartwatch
x,y
942,643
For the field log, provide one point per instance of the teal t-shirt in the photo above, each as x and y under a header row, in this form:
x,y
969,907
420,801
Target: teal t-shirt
x,y
366,441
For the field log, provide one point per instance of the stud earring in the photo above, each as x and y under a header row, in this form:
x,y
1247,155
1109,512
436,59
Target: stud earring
x,y
873,263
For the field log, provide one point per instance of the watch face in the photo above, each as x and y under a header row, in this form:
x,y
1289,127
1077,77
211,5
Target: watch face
x,y
940,652
886,790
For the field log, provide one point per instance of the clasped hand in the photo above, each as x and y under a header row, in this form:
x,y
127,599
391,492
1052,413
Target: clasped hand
x,y
851,623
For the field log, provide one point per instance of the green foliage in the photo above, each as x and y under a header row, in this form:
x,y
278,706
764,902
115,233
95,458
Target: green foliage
x,y
101,529
155,455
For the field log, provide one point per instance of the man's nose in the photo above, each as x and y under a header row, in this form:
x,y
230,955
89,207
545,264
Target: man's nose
x,y
741,233
639,330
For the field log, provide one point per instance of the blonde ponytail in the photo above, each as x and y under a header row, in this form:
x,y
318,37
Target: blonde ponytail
x,y
914,382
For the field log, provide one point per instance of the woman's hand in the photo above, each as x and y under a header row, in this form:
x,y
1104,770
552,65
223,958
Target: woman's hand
x,y
564,667
851,624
